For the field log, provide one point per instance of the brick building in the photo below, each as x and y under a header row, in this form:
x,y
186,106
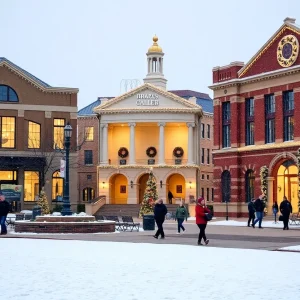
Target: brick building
x,y
32,119
257,123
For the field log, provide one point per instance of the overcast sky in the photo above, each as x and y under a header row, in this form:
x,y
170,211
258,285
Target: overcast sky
x,y
92,45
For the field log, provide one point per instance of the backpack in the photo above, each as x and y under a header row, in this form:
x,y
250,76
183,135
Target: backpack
x,y
208,217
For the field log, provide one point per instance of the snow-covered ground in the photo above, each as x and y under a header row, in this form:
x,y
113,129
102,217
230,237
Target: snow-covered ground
x,y
267,224
63,270
291,248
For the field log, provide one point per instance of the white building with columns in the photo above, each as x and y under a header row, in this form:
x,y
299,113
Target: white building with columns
x,y
149,128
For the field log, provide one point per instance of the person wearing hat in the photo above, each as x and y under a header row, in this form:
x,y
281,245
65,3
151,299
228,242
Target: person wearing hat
x,y
4,209
201,221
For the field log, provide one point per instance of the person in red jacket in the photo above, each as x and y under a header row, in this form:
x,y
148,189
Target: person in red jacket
x,y
201,221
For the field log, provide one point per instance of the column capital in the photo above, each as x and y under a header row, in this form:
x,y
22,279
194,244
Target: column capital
x,y
131,124
104,125
161,124
190,124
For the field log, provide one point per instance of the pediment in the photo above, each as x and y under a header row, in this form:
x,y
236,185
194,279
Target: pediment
x,y
147,98
279,52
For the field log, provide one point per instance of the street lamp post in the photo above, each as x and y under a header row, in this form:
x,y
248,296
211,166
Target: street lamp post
x,y
66,210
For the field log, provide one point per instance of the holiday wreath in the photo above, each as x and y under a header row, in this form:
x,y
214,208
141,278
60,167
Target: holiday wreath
x,y
178,152
151,152
123,152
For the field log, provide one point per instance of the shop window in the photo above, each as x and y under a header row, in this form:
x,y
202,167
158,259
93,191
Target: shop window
x,y
249,182
226,124
226,182
31,185
89,134
250,121
57,187
7,132
58,133
7,94
88,194
34,135
8,175
270,118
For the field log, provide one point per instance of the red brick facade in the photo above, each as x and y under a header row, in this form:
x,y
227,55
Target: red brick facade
x,y
235,83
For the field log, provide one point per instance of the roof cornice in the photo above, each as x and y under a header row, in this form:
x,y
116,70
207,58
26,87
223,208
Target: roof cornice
x,y
255,78
35,83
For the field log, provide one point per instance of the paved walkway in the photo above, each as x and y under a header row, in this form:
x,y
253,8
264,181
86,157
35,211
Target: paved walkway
x,y
220,236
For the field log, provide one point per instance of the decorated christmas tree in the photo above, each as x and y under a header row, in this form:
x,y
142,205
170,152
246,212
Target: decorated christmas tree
x,y
43,202
150,196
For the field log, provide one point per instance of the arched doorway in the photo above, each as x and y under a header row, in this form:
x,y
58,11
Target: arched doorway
x,y
176,185
118,191
287,183
142,183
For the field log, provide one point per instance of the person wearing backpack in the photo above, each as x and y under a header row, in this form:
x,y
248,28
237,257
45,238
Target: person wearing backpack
x,y
181,214
202,214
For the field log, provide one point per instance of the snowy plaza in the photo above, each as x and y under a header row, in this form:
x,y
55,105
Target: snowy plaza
x,y
59,269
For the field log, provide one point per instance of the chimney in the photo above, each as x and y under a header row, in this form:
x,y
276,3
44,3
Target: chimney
x,y
289,20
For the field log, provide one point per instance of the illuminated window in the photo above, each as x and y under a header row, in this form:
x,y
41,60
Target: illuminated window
x,y
57,187
31,185
89,133
7,130
88,194
34,135
8,175
8,94
58,132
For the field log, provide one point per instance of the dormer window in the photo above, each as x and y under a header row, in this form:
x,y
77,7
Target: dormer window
x,y
7,94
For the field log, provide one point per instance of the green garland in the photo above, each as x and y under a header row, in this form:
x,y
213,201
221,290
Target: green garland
x,y
298,165
264,171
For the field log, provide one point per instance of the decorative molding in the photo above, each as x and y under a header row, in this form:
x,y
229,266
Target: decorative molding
x,y
21,113
31,107
279,157
73,116
48,114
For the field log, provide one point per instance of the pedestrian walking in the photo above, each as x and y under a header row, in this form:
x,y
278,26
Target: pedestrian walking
x,y
160,211
170,197
285,209
251,212
4,209
201,210
275,210
259,210
181,215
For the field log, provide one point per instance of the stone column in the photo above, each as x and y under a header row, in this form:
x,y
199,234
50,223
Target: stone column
x,y
105,144
132,144
190,143
161,158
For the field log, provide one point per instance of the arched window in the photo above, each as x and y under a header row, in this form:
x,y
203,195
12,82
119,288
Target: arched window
x,y
88,194
249,185
226,181
8,94
57,187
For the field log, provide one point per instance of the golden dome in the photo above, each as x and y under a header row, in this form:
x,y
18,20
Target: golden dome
x,y
155,47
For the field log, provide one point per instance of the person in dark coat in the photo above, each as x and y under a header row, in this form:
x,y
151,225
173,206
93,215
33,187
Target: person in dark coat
x,y
259,210
275,209
170,197
160,211
251,212
4,209
285,209
201,210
